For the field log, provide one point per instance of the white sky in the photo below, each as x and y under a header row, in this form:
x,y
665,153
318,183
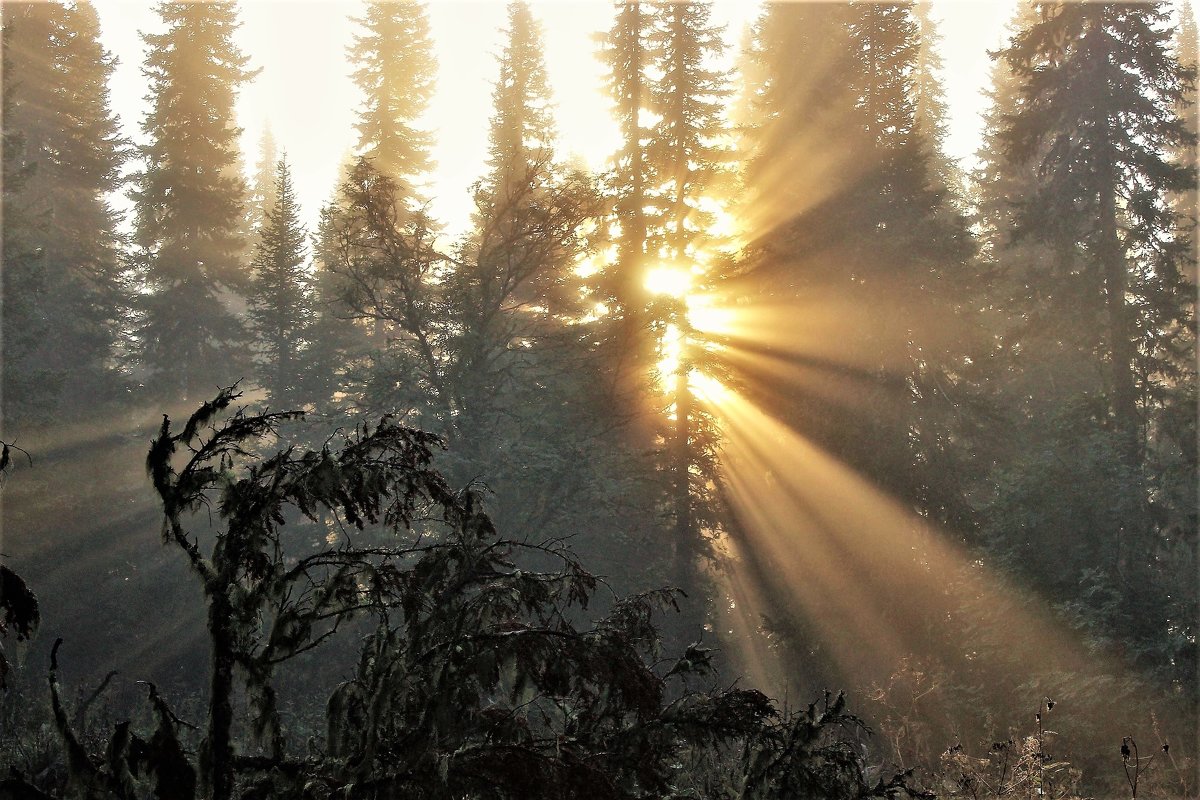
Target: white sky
x,y
305,93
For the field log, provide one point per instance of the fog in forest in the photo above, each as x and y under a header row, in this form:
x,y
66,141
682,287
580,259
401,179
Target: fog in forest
x,y
598,400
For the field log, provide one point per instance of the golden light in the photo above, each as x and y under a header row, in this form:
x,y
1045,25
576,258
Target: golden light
x,y
669,281
706,315
708,388
724,225
670,351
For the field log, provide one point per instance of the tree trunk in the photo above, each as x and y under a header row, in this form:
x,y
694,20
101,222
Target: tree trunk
x,y
216,764
682,467
1120,331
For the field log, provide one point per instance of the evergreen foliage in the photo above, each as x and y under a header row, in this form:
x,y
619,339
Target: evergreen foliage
x,y
1023,386
396,73
521,132
1100,359
63,267
686,150
878,236
191,200
262,186
281,296
1098,116
625,52
931,112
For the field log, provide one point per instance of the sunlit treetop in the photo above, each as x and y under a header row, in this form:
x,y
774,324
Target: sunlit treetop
x,y
522,133
396,71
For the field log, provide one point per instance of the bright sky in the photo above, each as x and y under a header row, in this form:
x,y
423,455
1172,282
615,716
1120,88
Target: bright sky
x,y
306,96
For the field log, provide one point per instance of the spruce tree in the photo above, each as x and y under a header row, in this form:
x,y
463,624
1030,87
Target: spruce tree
x,y
395,69
522,131
24,326
1185,49
842,215
796,138
688,152
515,270
929,100
1098,116
191,202
72,154
281,297
686,145
625,51
262,186
1095,128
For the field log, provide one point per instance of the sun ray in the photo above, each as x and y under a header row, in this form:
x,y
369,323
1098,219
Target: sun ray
x,y
869,575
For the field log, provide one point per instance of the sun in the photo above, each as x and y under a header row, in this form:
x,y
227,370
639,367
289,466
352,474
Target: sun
x,y
695,320
669,282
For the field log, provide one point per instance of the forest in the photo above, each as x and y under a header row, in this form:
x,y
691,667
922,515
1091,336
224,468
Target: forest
x,y
784,456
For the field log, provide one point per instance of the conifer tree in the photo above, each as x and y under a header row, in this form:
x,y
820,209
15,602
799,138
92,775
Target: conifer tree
x,y
1098,116
885,50
524,193
1093,129
281,301
929,100
688,156
190,201
72,152
625,51
686,146
522,130
514,273
262,187
1186,52
841,204
23,324
841,212
797,106
395,69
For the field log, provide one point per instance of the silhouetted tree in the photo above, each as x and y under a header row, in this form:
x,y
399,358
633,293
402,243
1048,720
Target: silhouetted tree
x,y
685,147
475,682
65,300
625,50
1091,131
281,296
191,200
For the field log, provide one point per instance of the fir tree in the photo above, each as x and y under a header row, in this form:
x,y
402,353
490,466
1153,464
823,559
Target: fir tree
x,y
1091,130
625,52
522,131
1098,115
190,201
281,302
395,71
842,213
513,275
797,104
73,155
686,147
929,100
24,325
1185,51
262,187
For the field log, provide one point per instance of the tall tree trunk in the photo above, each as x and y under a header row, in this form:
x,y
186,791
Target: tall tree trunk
x,y
216,765
684,534
630,292
1120,331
